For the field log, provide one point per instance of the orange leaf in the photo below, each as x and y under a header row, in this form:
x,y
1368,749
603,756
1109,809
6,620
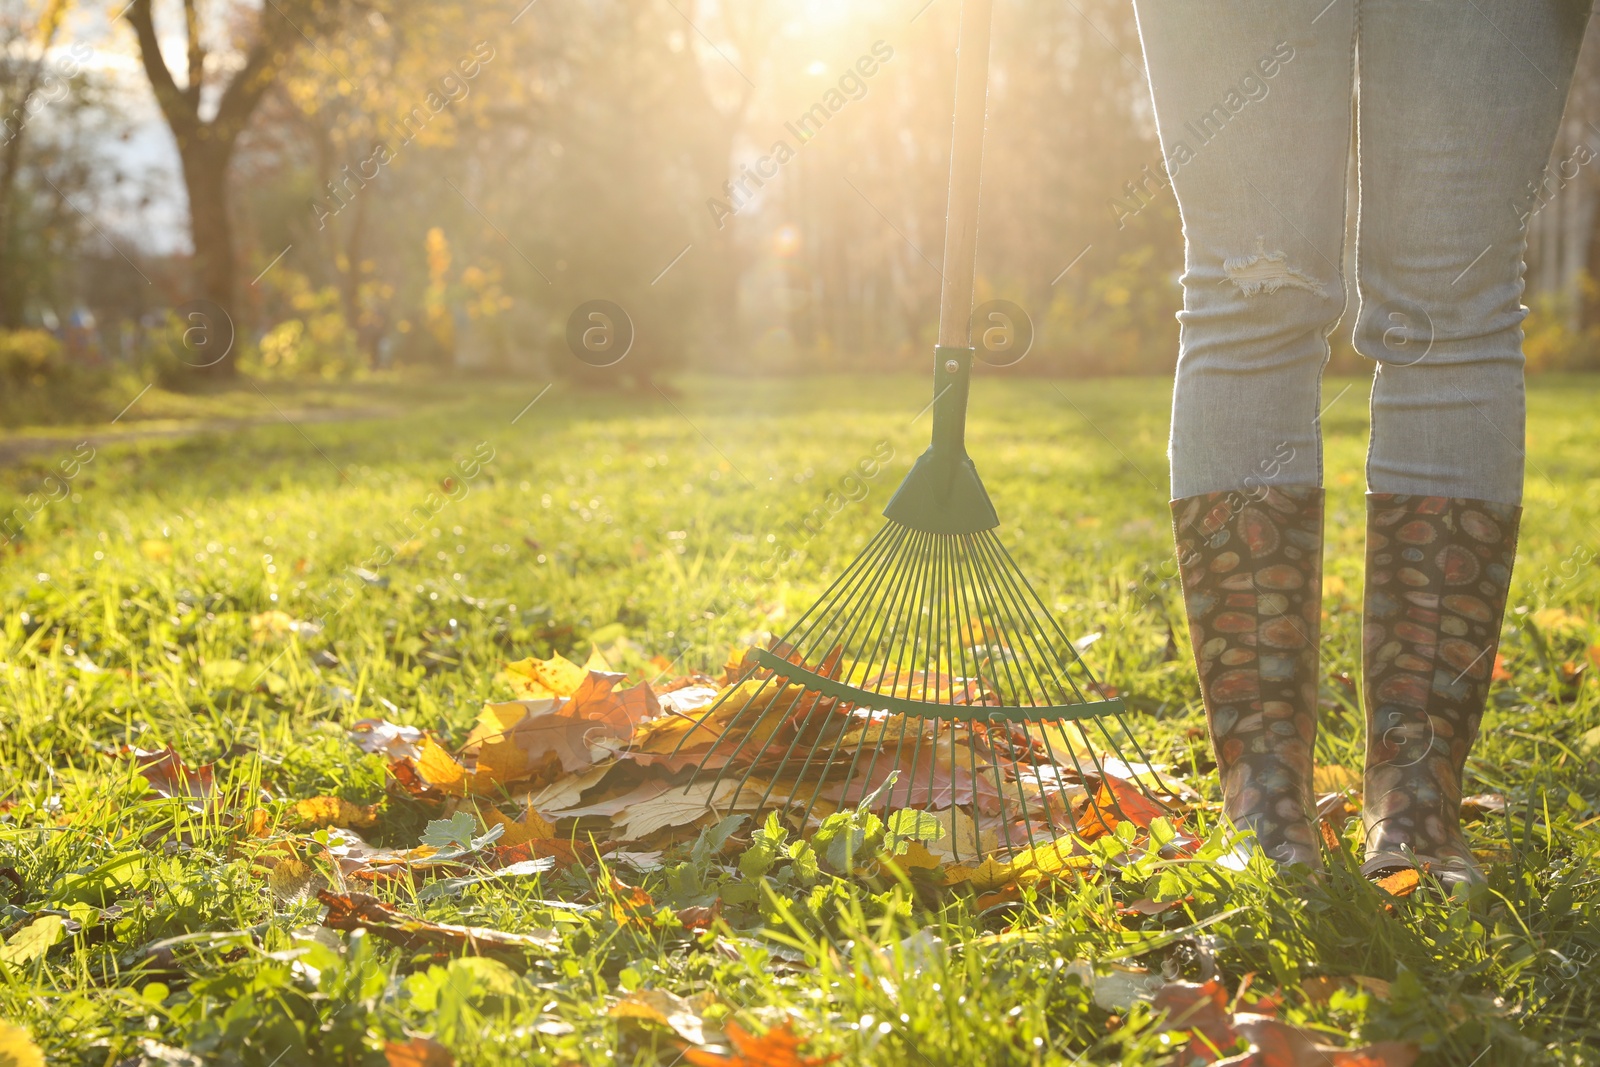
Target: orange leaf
x,y
531,827
778,1047
1500,674
418,1052
630,902
1400,883
166,772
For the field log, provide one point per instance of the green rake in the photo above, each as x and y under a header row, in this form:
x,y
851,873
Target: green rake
x,y
930,675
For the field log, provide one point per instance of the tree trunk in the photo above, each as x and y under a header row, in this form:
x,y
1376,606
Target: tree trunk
x,y
205,175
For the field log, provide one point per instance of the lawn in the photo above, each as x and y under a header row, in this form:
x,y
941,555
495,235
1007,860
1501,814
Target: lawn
x,y
142,928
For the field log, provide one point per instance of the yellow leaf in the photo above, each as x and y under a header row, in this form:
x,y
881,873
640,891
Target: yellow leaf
x,y
1041,862
493,722
17,1048
537,678
1334,778
1557,620
439,769
33,940
155,551
271,625
990,874
532,827
916,856
596,662
660,1006
318,812
294,879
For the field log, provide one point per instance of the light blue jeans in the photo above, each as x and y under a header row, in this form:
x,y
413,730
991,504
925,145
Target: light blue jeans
x,y
1459,101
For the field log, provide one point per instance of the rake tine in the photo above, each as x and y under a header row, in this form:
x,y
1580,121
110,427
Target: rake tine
x,y
1019,692
855,621
899,577
883,634
925,577
966,614
795,700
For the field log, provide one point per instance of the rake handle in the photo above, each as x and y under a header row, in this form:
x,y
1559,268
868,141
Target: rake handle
x,y
942,493
966,164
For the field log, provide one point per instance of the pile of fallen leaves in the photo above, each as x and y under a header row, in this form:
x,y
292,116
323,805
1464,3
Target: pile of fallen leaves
x,y
582,763
585,769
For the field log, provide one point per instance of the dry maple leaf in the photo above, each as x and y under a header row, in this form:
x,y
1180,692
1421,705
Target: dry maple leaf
x,y
1401,883
659,1006
778,1047
539,678
418,1052
629,903
1202,1010
353,911
318,812
521,740
169,776
387,739
531,827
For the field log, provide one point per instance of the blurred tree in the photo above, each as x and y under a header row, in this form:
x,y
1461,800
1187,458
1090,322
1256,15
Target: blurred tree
x,y
27,31
206,145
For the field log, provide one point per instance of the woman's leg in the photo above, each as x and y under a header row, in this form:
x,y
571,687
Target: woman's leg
x,y
1459,107
1252,100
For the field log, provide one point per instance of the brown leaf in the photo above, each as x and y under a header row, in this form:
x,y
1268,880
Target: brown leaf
x,y
700,917
1203,1012
667,1009
352,911
169,776
521,740
1482,805
778,1047
418,1052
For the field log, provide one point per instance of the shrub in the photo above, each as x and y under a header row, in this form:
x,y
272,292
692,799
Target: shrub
x,y
30,358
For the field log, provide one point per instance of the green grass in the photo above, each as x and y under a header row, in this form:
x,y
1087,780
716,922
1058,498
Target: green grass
x,y
622,521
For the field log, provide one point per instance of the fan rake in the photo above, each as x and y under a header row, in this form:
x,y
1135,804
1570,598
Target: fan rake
x,y
931,675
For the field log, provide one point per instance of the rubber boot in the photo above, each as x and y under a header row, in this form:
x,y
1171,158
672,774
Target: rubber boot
x,y
1251,562
1438,570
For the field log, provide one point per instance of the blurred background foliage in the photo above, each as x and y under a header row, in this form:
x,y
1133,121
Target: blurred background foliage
x,y
379,184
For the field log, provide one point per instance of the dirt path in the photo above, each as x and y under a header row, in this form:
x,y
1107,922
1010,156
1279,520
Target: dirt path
x,y
16,449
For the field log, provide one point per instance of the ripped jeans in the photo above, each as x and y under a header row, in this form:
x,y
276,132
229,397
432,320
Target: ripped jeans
x,y
1458,107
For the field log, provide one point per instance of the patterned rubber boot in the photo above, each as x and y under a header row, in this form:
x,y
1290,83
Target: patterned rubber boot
x,y
1438,570
1251,562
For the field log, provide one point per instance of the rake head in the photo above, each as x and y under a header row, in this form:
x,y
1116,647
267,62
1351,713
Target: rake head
x,y
930,676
